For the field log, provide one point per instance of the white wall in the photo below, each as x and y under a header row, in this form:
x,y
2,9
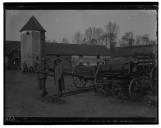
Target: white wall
x,y
91,60
36,46
26,48
30,47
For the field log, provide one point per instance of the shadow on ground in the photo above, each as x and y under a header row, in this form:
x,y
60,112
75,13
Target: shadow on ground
x,y
53,100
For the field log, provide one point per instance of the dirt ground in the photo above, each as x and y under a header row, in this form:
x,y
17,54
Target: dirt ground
x,y
22,99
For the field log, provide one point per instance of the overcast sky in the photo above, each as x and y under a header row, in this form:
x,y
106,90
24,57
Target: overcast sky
x,y
64,23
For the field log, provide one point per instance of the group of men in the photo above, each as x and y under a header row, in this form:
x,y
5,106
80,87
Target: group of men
x,y
42,70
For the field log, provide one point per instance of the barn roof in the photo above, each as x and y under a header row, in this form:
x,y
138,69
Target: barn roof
x,y
83,49
75,49
131,51
63,49
33,24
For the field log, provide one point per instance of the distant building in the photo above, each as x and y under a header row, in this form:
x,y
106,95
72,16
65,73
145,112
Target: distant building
x,y
33,46
12,54
71,54
32,42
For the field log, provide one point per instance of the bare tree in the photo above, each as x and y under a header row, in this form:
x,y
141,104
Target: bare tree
x,y
77,38
92,35
128,38
138,40
54,41
122,43
111,33
145,39
99,33
88,34
65,40
153,42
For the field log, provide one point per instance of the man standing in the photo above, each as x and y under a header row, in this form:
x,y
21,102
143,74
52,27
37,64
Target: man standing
x,y
42,76
25,68
59,78
133,64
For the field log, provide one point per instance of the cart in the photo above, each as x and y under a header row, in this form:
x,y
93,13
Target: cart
x,y
83,76
124,78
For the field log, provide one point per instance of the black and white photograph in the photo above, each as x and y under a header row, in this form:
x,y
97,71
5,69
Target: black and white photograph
x,y
86,63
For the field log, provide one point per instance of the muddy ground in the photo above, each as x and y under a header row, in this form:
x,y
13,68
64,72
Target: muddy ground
x,y
22,99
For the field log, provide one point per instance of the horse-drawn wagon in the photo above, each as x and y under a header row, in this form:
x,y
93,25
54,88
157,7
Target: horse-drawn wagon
x,y
125,78
83,76
121,77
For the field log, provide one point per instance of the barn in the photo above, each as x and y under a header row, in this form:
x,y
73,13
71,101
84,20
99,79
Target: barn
x,y
33,46
12,54
73,52
67,52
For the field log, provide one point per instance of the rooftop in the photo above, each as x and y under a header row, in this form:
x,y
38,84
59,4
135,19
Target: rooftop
x,y
63,49
131,51
33,24
75,49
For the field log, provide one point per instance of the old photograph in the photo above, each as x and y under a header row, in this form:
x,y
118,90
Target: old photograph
x,y
80,64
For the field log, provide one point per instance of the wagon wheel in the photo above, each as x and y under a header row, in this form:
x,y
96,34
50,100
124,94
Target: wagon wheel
x,y
79,82
89,83
135,88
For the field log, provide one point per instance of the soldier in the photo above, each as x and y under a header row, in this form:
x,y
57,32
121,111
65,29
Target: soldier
x,y
42,76
25,68
36,64
36,70
59,77
133,65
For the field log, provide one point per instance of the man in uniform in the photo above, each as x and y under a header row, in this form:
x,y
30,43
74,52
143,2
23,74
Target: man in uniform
x,y
59,78
133,65
42,76
25,68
